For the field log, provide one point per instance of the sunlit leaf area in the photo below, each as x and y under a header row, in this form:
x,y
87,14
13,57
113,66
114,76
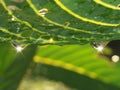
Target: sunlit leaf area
x,y
59,44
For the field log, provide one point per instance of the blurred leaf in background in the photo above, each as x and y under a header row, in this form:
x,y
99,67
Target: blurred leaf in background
x,y
13,65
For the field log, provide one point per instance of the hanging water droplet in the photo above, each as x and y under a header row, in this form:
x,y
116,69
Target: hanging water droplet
x,y
18,46
43,11
99,46
111,51
114,46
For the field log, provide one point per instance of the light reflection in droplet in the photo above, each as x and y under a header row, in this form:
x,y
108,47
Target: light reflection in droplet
x,y
19,48
115,58
99,48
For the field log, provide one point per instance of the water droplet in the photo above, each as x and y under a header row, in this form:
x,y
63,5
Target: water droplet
x,y
43,11
18,46
111,51
99,46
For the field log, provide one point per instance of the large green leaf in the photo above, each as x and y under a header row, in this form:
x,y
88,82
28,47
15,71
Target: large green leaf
x,y
82,60
66,22
13,65
69,78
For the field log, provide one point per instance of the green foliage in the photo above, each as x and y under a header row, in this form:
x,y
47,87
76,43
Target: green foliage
x,y
80,59
13,65
64,22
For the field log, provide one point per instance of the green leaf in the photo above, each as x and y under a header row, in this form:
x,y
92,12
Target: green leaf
x,y
81,60
91,11
13,65
64,22
71,79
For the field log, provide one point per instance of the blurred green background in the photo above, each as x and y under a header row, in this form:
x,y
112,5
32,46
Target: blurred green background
x,y
69,67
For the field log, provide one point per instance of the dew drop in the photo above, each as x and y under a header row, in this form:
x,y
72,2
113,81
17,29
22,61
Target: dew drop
x,y
99,46
43,11
18,46
111,51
